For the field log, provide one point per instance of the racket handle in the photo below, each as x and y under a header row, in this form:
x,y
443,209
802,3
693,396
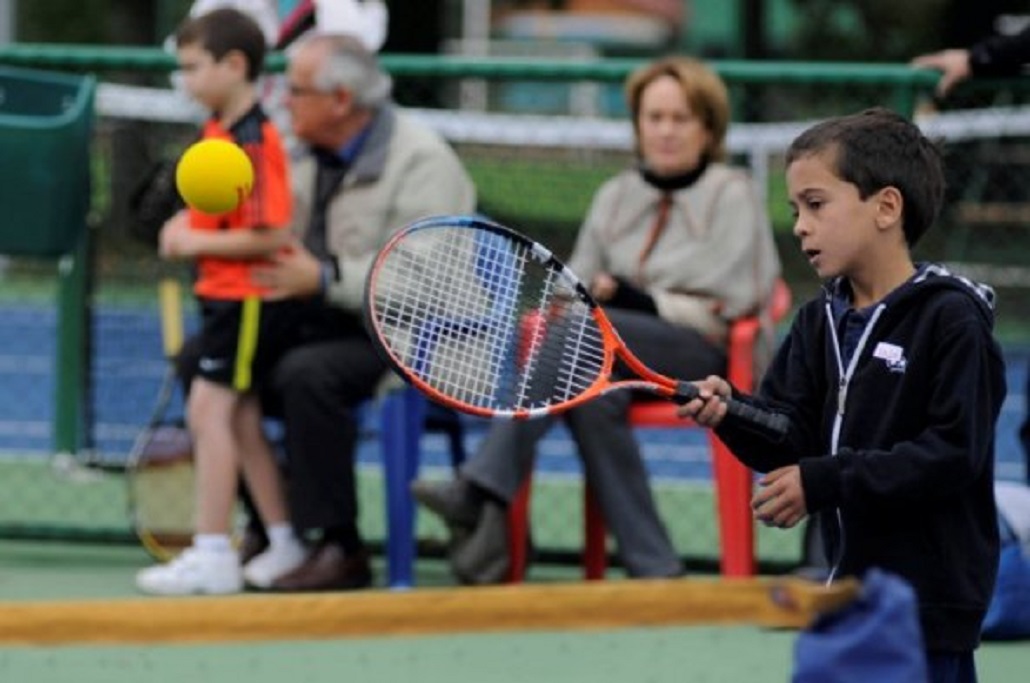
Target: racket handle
x,y
170,305
766,423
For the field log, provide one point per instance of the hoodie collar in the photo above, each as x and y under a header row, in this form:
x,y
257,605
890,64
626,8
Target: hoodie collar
x,y
929,271
841,297
928,276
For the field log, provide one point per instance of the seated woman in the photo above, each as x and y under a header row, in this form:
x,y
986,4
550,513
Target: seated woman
x,y
675,248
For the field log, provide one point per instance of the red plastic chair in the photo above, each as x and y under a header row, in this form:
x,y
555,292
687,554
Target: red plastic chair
x,y
733,481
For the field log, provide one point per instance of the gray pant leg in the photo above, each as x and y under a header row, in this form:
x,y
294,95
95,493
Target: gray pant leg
x,y
611,454
616,473
506,455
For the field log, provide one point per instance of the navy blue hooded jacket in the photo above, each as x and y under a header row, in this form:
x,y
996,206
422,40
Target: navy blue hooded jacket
x,y
896,449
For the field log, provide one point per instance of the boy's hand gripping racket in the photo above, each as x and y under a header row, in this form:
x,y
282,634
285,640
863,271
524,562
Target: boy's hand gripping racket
x,y
487,321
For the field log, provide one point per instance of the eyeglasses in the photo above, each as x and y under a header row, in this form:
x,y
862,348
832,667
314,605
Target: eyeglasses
x,y
304,90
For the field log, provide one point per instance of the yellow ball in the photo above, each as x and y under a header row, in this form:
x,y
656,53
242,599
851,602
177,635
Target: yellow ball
x,y
214,176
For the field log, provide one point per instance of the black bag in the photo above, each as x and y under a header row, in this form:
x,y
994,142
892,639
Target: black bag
x,y
154,201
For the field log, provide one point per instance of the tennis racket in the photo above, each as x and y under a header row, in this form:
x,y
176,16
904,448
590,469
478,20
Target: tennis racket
x,y
486,321
159,472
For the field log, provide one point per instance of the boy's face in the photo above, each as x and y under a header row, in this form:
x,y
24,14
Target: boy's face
x,y
835,226
207,81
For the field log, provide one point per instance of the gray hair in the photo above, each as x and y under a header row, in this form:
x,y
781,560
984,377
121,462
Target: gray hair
x,y
351,66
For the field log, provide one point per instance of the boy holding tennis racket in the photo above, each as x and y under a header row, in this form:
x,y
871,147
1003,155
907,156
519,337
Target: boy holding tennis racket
x,y
892,382
221,55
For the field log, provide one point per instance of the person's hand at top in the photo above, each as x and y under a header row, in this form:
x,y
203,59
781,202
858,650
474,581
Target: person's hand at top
x,y
953,65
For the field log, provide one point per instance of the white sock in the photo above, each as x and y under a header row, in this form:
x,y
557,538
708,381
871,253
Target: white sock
x,y
281,535
216,543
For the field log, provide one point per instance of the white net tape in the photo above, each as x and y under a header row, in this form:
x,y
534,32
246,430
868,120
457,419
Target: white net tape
x,y
157,104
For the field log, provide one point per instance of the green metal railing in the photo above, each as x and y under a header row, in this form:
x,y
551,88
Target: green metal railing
x,y
905,80
905,83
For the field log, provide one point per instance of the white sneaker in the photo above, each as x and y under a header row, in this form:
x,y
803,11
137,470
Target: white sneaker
x,y
274,562
193,572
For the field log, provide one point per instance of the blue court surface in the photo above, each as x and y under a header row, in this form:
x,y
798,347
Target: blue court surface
x,y
128,368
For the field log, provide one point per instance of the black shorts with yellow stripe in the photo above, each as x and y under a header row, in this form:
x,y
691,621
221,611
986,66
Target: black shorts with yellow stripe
x,y
241,341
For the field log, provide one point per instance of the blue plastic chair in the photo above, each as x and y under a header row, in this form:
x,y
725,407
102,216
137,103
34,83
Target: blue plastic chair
x,y
405,414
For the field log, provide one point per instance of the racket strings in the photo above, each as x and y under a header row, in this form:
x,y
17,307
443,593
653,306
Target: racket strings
x,y
585,356
453,318
426,303
482,319
567,351
535,356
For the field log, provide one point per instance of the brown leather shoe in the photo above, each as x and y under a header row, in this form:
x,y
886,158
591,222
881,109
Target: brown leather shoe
x,y
328,569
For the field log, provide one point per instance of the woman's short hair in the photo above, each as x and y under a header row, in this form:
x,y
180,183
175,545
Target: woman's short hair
x,y
705,92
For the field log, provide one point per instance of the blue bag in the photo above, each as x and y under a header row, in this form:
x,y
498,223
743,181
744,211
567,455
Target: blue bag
x,y
875,638
1008,617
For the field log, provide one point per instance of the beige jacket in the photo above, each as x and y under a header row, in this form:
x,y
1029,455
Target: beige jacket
x,y
715,260
404,171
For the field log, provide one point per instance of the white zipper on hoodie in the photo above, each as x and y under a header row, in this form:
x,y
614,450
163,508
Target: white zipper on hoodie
x,y
842,397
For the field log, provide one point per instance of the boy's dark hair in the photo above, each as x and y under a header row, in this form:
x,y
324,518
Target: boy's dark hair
x,y
222,31
879,148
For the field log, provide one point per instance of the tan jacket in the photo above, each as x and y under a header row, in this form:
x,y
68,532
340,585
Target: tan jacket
x,y
404,171
714,262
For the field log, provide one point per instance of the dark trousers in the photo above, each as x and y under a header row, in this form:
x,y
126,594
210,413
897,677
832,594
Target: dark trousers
x,y
319,387
315,389
951,667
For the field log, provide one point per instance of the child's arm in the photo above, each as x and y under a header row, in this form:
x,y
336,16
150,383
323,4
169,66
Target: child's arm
x,y
780,500
756,450
793,385
179,241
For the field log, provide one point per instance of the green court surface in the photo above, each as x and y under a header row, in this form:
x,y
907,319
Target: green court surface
x,y
42,571
637,656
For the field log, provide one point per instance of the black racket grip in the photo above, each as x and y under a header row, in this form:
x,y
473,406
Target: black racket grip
x,y
766,423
